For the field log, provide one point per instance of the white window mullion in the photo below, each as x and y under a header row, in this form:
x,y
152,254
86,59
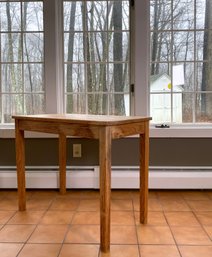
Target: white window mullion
x,y
141,46
53,56
59,58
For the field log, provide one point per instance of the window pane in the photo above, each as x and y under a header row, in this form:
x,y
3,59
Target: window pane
x,y
33,77
97,47
98,104
119,104
204,107
96,15
199,78
158,69
177,107
11,78
207,45
119,78
11,48
33,47
200,45
178,77
188,107
118,15
189,77
34,103
200,13
12,104
75,78
73,47
96,77
76,103
183,46
183,14
160,14
10,15
73,16
119,47
33,13
161,46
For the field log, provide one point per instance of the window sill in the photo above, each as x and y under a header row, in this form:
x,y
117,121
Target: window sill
x,y
175,131
182,131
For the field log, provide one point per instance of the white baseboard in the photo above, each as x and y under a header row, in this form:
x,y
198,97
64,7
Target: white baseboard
x,y
164,177
122,177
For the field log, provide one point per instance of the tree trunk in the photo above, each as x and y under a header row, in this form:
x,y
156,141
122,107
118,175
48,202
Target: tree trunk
x,y
8,107
87,58
118,57
28,103
154,39
69,81
206,102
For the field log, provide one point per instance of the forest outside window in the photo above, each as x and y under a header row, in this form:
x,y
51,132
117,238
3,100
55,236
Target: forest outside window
x,y
181,61
21,59
97,56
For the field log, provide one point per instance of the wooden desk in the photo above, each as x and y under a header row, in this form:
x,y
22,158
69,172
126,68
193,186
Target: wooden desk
x,y
103,128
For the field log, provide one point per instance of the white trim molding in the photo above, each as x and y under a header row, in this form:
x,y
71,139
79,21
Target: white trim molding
x,y
122,177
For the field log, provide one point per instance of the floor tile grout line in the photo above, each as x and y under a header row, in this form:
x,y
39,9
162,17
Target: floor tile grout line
x,y
36,225
178,249
135,224
201,225
68,228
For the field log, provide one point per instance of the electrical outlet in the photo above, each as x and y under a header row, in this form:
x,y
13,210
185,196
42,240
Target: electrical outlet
x,y
77,150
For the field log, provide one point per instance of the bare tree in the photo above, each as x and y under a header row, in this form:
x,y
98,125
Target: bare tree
x,y
30,107
118,57
206,103
69,79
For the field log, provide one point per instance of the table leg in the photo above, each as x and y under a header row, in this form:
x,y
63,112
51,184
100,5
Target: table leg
x,y
62,162
20,163
144,167
105,187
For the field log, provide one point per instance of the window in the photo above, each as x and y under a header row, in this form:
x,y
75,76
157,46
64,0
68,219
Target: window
x,y
181,61
21,59
94,51
97,56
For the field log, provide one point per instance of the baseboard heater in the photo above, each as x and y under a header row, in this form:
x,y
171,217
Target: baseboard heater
x,y
122,177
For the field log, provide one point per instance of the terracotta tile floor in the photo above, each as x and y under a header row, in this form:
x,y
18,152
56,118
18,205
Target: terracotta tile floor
x,y
54,225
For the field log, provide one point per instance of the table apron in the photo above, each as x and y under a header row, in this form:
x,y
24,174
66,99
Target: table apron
x,y
81,130
127,130
67,129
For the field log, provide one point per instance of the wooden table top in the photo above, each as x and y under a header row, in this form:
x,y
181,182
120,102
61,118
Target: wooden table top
x,y
84,119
